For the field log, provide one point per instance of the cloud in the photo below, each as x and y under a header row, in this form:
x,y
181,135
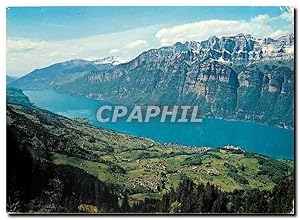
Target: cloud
x,y
259,27
21,45
261,19
114,51
137,44
25,55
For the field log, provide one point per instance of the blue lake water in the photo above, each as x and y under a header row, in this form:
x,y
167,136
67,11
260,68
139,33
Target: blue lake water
x,y
271,141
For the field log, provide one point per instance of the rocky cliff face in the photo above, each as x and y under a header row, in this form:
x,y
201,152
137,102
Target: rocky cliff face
x,y
236,77
244,48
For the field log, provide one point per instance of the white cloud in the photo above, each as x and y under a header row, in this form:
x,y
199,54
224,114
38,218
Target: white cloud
x,y
137,44
114,51
21,45
25,55
259,27
261,19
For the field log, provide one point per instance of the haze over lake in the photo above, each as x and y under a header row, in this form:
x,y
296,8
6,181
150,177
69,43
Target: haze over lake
x,y
271,141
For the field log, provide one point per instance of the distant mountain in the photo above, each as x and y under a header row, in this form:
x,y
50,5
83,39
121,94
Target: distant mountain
x,y
55,74
237,77
65,72
10,79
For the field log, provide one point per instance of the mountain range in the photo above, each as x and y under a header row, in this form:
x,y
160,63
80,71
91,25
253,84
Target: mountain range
x,y
237,77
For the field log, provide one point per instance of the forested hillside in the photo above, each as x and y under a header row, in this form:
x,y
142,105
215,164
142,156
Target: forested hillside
x,y
56,164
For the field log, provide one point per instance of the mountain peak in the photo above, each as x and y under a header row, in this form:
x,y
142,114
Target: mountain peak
x,y
113,60
75,62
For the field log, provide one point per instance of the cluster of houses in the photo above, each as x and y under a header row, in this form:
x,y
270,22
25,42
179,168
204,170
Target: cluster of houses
x,y
152,182
174,147
233,148
160,166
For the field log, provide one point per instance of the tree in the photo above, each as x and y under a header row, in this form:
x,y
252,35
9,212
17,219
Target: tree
x,y
125,204
219,205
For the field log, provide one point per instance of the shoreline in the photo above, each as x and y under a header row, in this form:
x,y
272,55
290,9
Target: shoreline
x,y
203,117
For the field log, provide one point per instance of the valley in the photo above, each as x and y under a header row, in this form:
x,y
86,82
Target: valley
x,y
139,168
239,160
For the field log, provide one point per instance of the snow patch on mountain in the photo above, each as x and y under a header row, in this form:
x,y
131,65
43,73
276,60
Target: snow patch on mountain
x,y
113,60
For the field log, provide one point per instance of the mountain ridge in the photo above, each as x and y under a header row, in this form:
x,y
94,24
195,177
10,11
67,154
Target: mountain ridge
x,y
235,77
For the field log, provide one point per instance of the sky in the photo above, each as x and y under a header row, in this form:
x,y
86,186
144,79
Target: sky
x,y
40,36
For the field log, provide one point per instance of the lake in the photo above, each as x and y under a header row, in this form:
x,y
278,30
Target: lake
x,y
271,141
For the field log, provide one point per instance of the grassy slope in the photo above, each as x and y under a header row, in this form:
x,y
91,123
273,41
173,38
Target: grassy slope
x,y
137,164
